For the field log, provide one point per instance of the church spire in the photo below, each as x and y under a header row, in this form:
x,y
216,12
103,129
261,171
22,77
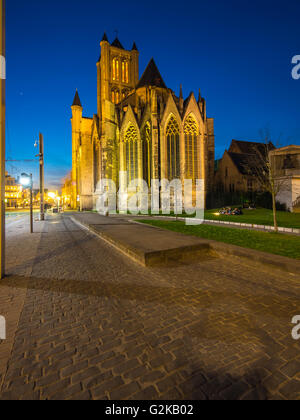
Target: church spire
x,y
134,47
117,44
76,101
181,100
199,97
104,37
181,94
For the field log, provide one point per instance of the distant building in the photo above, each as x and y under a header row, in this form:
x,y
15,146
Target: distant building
x,y
286,161
235,173
141,128
66,194
13,192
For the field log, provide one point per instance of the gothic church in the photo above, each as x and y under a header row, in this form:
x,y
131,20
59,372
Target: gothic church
x,y
141,127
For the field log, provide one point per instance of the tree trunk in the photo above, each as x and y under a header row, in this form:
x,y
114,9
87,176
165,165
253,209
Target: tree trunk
x,y
274,212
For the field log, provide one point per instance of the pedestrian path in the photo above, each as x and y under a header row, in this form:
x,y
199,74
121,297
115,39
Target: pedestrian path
x,y
86,322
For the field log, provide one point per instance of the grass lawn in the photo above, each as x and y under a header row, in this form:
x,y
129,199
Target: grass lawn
x,y
274,243
256,217
259,217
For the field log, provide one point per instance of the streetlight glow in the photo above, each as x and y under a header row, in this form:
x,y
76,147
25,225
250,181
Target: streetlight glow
x,y
25,180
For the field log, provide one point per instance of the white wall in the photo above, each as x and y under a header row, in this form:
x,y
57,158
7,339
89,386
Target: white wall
x,y
289,192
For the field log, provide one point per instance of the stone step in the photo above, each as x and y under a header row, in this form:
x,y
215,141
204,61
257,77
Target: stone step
x,y
147,245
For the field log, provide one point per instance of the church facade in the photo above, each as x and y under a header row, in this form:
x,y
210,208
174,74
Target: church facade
x,y
141,128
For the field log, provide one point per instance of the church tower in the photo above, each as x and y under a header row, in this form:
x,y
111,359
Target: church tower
x,y
117,73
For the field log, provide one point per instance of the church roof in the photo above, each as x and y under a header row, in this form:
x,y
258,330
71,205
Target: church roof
x,y
250,147
243,162
76,101
151,77
117,44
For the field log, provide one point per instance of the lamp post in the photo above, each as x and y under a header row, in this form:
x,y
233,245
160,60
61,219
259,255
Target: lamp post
x,y
26,181
42,189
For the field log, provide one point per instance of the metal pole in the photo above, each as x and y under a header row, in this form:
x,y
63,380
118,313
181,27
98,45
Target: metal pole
x,y
42,189
2,138
31,205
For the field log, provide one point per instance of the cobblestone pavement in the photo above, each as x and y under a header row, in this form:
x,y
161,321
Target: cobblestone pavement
x,y
85,322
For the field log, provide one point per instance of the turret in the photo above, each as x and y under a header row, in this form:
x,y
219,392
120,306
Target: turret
x,y
135,58
181,100
153,101
76,126
76,112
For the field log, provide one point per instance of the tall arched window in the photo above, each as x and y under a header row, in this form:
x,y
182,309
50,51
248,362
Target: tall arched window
x,y
115,69
191,133
115,96
125,72
173,149
147,154
131,153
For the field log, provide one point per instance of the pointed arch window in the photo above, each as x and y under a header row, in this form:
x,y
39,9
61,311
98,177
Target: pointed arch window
x,y
147,154
115,69
125,72
131,153
115,96
191,135
173,149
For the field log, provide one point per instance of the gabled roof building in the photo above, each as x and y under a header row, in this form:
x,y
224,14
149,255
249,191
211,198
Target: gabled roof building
x,y
235,172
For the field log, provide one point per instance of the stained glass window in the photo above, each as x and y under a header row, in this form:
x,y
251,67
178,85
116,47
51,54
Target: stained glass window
x,y
173,149
192,151
131,153
147,154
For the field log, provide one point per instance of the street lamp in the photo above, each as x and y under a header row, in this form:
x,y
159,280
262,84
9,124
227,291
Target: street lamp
x,y
26,181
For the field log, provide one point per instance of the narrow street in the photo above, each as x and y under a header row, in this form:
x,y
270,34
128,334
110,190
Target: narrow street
x,y
86,322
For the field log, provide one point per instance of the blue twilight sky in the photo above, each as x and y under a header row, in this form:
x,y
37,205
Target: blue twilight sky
x,y
238,52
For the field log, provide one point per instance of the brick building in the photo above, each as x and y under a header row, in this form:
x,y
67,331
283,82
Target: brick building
x,y
234,173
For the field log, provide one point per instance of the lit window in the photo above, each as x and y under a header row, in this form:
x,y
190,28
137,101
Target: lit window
x,y
147,154
131,153
126,72
115,71
123,71
191,132
173,149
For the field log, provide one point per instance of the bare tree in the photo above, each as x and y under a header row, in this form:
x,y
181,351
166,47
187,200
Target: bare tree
x,y
261,165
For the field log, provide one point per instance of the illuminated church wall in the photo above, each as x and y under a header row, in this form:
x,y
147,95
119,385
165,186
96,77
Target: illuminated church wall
x,y
141,127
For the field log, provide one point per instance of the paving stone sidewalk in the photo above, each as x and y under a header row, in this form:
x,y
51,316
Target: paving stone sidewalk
x,y
89,323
